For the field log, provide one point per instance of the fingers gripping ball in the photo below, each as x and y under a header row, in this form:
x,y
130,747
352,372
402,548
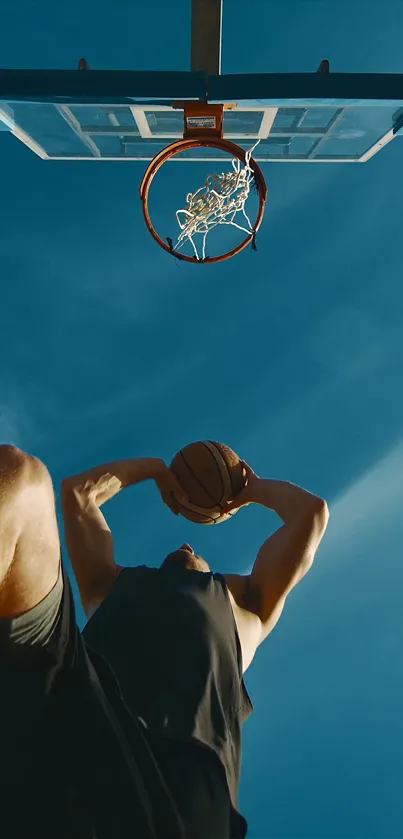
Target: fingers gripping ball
x,y
211,474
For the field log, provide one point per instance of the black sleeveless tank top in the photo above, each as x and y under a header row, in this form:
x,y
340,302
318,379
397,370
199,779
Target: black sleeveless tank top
x,y
170,636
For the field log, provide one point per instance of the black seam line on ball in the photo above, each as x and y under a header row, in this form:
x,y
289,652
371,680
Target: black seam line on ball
x,y
217,503
211,520
212,443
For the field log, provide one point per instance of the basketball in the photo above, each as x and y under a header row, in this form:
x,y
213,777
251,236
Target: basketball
x,y
211,474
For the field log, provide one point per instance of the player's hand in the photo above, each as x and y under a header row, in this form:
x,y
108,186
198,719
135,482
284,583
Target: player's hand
x,y
245,496
169,488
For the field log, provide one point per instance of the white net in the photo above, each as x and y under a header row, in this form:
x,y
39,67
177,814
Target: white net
x,y
217,202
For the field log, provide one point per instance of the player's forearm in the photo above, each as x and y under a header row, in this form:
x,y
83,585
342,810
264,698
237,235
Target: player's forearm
x,y
103,482
286,499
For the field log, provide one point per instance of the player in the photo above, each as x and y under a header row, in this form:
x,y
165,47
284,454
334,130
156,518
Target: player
x,y
170,644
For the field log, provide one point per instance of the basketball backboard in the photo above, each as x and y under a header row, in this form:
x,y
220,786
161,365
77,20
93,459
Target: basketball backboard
x,y
114,115
75,115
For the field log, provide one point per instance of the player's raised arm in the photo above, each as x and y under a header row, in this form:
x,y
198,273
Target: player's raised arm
x,y
88,538
287,555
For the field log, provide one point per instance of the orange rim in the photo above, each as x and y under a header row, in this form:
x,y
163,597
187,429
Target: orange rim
x,y
190,143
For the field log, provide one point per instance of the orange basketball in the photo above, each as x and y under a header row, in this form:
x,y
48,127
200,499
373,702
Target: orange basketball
x,y
211,474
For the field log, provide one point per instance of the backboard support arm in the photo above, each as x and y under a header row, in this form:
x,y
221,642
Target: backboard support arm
x,y
206,36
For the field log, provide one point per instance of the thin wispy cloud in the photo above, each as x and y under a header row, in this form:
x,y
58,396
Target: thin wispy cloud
x,y
366,506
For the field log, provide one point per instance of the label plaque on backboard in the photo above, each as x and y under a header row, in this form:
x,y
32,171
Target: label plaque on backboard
x,y
201,122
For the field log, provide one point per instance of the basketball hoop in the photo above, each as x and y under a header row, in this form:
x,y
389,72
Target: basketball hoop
x,y
221,197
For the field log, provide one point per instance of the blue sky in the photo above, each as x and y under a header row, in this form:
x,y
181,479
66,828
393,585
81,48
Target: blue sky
x,y
291,355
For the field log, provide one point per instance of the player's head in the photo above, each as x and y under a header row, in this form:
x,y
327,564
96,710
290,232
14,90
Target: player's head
x,y
185,557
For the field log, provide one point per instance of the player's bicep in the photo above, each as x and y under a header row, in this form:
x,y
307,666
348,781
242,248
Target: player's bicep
x,y
89,545
284,558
